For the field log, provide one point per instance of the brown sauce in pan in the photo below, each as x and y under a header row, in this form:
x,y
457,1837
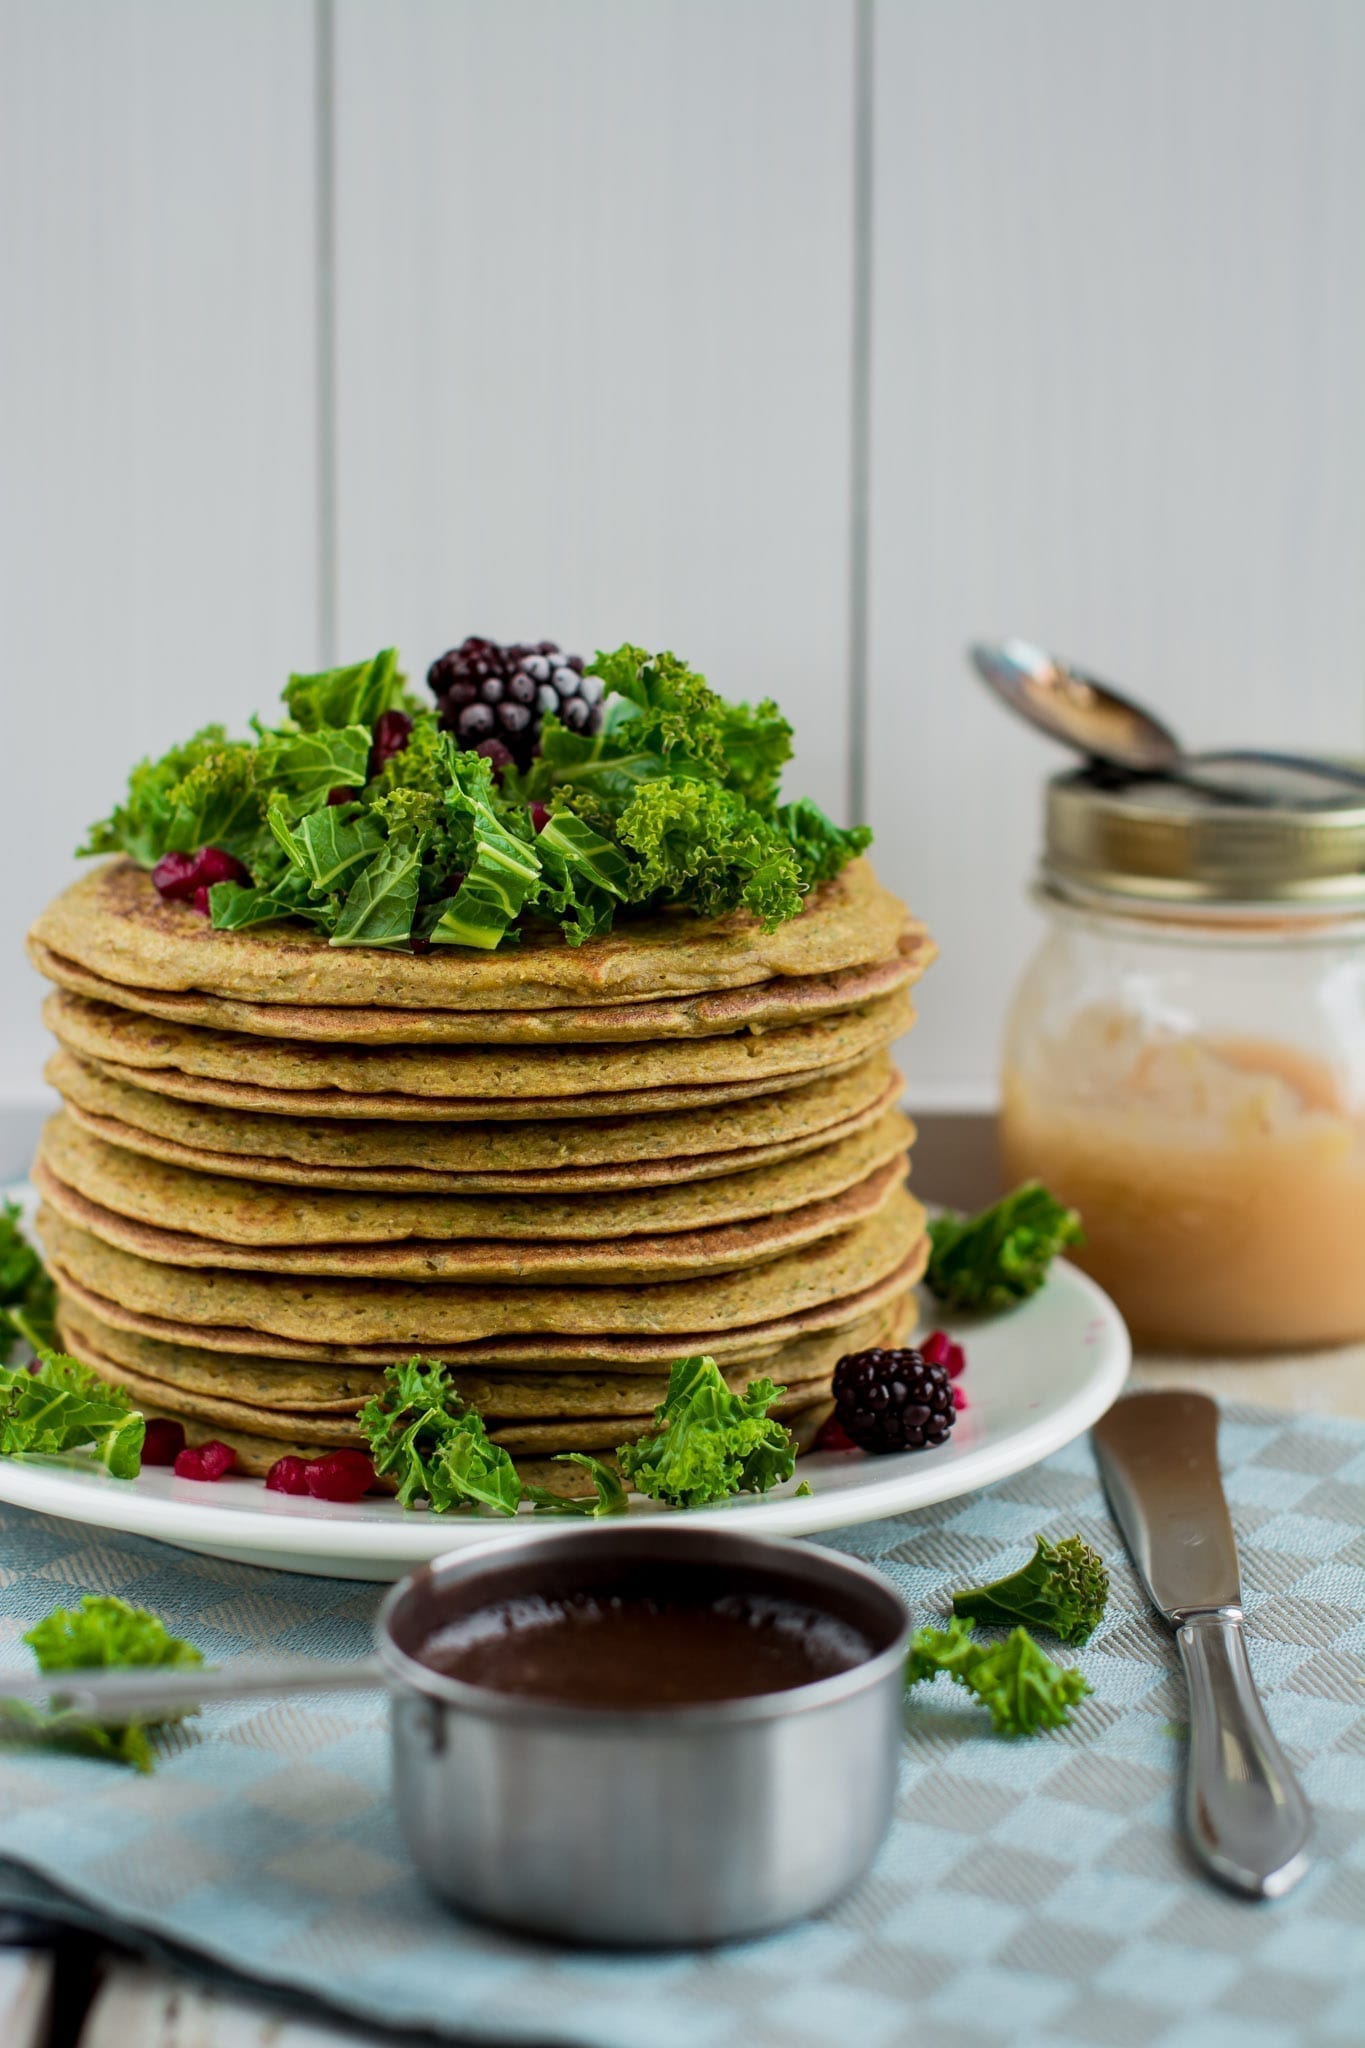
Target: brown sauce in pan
x,y
630,1650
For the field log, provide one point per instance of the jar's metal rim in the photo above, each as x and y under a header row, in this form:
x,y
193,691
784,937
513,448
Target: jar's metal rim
x,y
1157,844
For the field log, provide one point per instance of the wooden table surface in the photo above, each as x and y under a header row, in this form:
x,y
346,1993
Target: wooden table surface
x,y
1315,1382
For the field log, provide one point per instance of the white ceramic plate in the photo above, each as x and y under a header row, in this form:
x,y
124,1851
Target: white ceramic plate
x,y
1035,1379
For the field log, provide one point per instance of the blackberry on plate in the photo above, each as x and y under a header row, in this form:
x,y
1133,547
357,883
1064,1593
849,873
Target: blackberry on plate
x,y
893,1400
494,698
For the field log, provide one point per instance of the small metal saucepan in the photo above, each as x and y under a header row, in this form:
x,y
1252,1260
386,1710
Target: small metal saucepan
x,y
653,1826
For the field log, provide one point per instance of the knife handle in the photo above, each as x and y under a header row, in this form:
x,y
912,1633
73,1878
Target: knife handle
x,y
1247,1817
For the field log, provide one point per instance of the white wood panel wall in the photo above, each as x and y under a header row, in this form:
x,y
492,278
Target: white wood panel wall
x,y
594,274
1118,408
576,334
157,432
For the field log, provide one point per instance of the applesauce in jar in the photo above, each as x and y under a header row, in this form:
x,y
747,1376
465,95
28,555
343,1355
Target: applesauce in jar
x,y
1185,1058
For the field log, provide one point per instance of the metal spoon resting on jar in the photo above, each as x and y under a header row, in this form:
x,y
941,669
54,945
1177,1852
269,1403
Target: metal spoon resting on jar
x,y
1119,734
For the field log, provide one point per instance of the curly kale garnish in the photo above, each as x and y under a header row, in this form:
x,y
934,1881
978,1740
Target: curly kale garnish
x,y
199,794
1063,1587
1018,1684
708,1443
103,1633
61,1405
423,1436
609,1495
993,1261
674,802
28,1299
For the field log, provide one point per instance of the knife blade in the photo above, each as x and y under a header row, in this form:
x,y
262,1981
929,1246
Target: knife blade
x,y
1245,1811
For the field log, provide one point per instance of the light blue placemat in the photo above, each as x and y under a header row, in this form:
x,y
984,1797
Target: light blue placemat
x,y
1029,1893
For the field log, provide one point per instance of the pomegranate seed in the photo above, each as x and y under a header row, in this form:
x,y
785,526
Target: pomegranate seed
x,y
342,796
205,1461
420,945
392,731
339,1475
938,1348
287,1475
959,1399
540,817
217,866
200,902
834,1437
179,877
163,1442
174,875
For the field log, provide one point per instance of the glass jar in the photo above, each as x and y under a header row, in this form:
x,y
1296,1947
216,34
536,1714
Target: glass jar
x,y
1185,1059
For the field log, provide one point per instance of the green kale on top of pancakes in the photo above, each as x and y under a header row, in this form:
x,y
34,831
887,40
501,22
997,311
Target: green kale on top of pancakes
x,y
536,790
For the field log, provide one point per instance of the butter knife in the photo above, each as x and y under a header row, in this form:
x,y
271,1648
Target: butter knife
x,y
1245,1811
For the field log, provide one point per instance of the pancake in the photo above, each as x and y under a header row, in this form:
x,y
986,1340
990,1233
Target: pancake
x,y
236,1212
161,1053
427,1314
674,1255
551,1157
754,1347
272,1384
780,1000
256,1453
370,1322
447,1109
113,923
599,1432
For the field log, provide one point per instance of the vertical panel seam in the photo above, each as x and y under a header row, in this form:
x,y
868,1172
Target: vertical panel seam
x,y
325,364
860,423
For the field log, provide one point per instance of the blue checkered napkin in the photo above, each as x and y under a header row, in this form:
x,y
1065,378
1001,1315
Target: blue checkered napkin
x,y
1032,1893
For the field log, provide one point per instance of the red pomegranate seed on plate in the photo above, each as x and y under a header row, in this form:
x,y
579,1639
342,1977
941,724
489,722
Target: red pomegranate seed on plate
x,y
205,1461
938,1348
287,1475
163,1442
339,1475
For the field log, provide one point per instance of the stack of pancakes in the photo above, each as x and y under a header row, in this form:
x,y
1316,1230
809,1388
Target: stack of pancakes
x,y
282,1166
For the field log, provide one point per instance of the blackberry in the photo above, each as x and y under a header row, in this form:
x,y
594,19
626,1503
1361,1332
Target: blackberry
x,y
893,1400
494,698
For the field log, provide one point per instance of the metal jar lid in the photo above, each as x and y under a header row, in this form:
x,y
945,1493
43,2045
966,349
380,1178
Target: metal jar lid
x,y
1156,842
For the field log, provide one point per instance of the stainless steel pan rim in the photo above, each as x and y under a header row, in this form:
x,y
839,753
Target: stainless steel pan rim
x,y
813,1572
